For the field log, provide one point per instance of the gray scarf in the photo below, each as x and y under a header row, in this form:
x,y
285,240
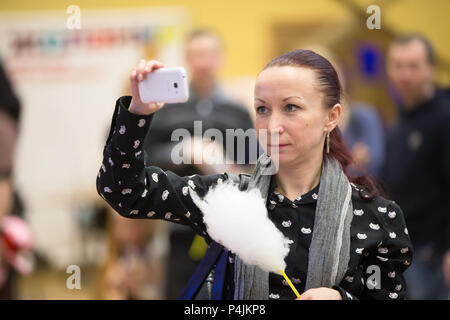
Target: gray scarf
x,y
329,252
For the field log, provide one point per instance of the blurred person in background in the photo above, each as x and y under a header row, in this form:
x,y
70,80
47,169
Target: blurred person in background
x,y
207,103
363,130
417,169
9,130
364,135
15,235
130,271
361,124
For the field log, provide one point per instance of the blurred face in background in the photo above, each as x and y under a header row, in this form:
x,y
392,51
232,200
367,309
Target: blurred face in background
x,y
289,101
410,71
204,58
130,233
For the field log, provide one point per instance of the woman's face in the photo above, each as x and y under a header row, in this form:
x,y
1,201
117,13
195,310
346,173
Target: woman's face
x,y
288,101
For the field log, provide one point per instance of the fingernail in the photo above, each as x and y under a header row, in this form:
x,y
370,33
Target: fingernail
x,y
147,68
140,77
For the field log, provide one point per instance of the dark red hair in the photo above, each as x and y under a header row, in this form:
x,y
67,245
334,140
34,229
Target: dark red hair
x,y
330,86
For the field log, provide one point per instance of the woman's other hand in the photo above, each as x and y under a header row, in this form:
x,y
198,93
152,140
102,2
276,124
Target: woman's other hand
x,y
320,294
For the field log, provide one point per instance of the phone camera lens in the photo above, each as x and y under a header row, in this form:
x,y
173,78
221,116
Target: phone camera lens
x,y
175,85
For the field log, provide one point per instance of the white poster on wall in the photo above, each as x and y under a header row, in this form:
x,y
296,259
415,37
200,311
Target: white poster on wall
x,y
68,67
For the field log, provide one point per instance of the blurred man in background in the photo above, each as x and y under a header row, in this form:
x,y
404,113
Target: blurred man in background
x,y
208,104
15,235
417,169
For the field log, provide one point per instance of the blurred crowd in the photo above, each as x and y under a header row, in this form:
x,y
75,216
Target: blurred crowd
x,y
409,157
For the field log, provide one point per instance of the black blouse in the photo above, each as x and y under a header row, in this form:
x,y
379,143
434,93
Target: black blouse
x,y
295,219
380,245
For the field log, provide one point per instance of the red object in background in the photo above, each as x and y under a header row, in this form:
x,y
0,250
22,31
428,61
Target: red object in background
x,y
16,244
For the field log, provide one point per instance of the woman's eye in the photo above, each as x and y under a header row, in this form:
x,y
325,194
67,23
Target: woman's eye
x,y
292,107
261,110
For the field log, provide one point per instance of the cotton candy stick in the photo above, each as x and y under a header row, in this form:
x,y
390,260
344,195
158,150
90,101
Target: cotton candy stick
x,y
290,283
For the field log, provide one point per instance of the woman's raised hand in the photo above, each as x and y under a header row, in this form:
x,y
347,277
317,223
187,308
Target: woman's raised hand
x,y
139,74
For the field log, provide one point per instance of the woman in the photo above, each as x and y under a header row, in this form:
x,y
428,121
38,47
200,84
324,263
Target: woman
x,y
348,242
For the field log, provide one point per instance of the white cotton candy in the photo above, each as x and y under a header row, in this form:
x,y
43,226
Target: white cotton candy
x,y
239,221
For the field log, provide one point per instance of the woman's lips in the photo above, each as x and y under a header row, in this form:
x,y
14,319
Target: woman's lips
x,y
277,146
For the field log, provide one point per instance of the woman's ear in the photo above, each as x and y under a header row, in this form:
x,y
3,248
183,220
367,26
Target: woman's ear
x,y
334,115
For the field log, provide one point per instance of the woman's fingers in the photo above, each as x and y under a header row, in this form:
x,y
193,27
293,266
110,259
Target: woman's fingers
x,y
143,68
140,70
134,86
133,75
152,65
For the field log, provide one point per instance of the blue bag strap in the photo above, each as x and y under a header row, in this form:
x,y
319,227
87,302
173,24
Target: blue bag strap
x,y
219,276
201,272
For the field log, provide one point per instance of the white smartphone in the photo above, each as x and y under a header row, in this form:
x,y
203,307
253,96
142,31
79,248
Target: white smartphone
x,y
168,85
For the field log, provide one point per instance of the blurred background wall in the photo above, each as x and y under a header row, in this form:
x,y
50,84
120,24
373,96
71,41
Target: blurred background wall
x,y
67,110
256,31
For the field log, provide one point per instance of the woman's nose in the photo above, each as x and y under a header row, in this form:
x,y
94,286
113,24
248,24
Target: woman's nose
x,y
275,125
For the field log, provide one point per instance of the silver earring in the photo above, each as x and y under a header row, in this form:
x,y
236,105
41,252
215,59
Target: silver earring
x,y
328,142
